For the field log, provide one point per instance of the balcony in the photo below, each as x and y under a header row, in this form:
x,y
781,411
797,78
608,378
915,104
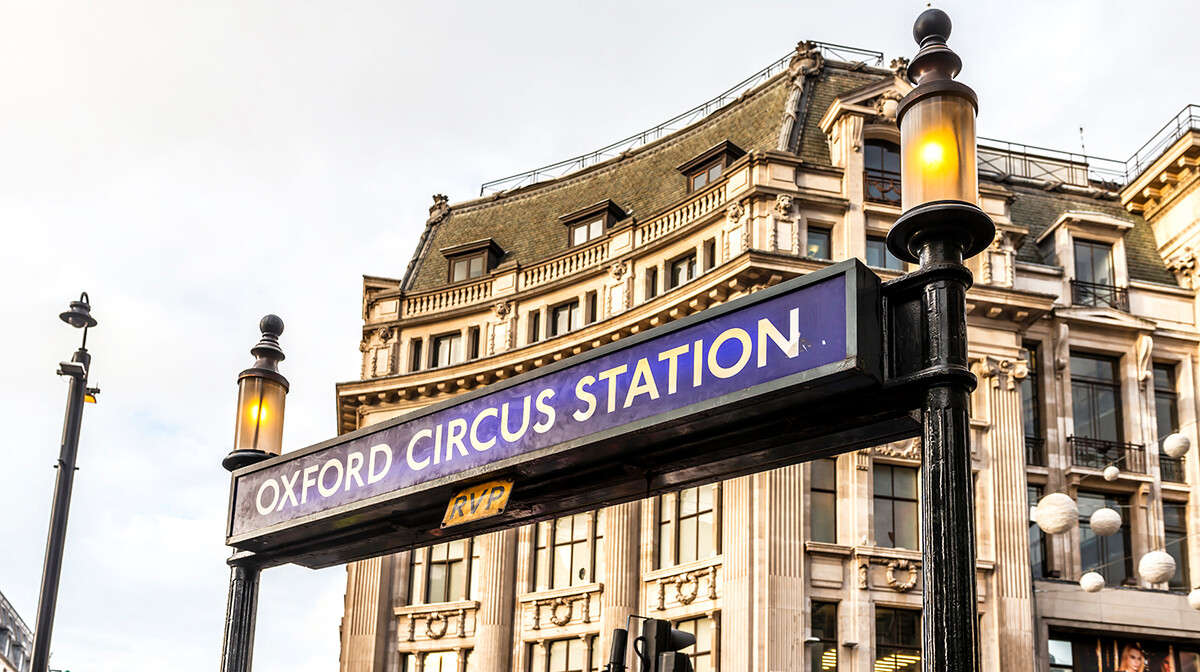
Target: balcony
x,y
1099,295
1035,451
1099,453
881,186
1171,468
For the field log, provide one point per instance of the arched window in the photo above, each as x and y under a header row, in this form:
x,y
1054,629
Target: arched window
x,y
881,179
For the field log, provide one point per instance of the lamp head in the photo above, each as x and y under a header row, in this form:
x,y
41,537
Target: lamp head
x,y
80,313
262,393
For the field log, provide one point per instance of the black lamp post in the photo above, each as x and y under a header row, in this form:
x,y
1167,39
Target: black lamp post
x,y
79,316
258,435
941,226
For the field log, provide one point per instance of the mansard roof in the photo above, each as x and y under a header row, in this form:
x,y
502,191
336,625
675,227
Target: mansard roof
x,y
1038,209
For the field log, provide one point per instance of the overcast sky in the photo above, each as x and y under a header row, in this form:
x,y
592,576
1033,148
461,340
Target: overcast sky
x,y
195,165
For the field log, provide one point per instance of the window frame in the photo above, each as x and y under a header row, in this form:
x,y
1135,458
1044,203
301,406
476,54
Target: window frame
x,y
1092,245
1092,386
669,535
702,653
1179,532
604,213
573,311
824,643
881,172
915,500
808,242
545,550
420,576
691,269
486,251
814,489
888,257
720,156
1124,536
455,338
898,646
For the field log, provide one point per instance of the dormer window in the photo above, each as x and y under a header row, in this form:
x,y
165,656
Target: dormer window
x,y
472,260
1095,281
1092,245
590,223
709,166
881,172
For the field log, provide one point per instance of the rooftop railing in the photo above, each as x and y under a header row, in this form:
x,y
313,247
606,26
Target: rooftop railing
x,y
1188,119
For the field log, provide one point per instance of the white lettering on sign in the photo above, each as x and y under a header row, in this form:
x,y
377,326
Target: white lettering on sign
x,y
610,391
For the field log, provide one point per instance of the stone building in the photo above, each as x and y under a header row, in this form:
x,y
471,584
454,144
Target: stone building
x,y
1083,334
16,640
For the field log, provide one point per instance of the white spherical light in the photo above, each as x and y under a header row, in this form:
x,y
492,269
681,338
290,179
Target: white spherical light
x,y
1156,566
1111,473
1056,513
1105,521
1091,582
1176,445
1194,599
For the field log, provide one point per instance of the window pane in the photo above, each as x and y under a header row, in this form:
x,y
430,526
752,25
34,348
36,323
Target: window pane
x,y
704,534
687,539
579,235
824,517
437,582
558,656
818,243
884,534
1084,271
687,501
699,181
579,563
883,480
476,267
908,524
904,480
1060,652
706,497
714,172
595,229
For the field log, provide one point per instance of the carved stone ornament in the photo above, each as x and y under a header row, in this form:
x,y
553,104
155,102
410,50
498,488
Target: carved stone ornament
x,y
437,623
1004,372
783,206
734,213
864,573
1145,347
1062,347
362,345
385,334
439,209
560,616
617,270
502,309
904,566
900,67
687,586
909,449
808,59
886,106
1184,265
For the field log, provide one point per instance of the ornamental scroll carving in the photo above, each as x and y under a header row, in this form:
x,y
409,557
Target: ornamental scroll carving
x,y
1145,347
617,270
562,610
909,449
1184,265
733,214
905,566
1004,372
439,210
687,586
437,623
900,574
808,59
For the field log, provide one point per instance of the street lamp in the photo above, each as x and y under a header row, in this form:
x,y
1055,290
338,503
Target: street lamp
x,y
941,226
262,390
258,435
79,315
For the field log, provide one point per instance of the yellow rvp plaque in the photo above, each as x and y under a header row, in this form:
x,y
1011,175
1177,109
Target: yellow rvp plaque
x,y
478,502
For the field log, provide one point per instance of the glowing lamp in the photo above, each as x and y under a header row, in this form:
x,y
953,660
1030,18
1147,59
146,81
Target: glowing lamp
x,y
938,167
262,391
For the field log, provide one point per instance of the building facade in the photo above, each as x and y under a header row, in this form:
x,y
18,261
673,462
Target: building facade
x,y
16,640
1083,334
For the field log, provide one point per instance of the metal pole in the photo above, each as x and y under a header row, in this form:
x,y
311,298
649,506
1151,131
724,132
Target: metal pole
x,y
950,626
52,569
237,654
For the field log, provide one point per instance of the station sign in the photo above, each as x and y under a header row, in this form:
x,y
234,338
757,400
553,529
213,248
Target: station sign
x,y
625,417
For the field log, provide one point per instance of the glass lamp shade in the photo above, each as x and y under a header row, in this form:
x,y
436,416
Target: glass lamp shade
x,y
260,415
937,150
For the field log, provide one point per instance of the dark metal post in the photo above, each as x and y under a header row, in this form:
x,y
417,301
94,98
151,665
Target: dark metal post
x,y
941,226
237,653
77,370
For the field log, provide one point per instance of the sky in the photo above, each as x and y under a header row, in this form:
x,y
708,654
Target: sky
x,y
196,165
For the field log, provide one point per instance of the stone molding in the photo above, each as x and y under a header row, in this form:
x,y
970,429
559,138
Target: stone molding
x,y
437,618
563,597
686,579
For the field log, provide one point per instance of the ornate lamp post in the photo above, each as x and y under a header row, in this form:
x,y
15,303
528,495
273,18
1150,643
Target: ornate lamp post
x,y
79,315
258,435
941,226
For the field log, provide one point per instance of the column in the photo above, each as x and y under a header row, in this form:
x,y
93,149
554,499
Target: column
x,y
368,605
737,574
787,625
1006,443
622,573
494,620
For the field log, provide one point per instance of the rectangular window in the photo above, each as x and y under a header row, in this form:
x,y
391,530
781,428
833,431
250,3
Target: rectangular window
x,y
587,231
1096,397
879,256
1111,556
415,363
1061,659
651,282
447,350
705,176
465,268
446,578
710,254
824,629
535,326
897,640
1175,526
687,525
1037,538
819,243
1166,401
681,270
1093,263
823,496
562,655
437,661
567,550
701,652
591,306
1031,409
473,343
566,317
897,518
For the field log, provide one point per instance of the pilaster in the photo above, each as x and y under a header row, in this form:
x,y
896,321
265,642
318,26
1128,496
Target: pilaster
x,y
494,620
787,622
364,628
622,576
738,626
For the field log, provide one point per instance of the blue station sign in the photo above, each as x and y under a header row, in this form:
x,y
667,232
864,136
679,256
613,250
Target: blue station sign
x,y
815,335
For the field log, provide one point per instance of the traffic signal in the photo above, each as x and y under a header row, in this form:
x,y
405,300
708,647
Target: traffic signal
x,y
660,647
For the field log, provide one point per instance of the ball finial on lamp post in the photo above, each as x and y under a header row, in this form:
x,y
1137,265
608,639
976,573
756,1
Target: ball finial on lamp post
x,y
262,391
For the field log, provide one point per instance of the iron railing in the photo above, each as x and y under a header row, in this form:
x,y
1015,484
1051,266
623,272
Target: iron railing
x,y
1099,295
1100,453
556,170
1188,119
1035,451
1171,468
881,186
1000,158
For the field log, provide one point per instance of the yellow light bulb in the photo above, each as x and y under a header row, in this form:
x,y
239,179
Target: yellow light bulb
x,y
258,413
933,153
